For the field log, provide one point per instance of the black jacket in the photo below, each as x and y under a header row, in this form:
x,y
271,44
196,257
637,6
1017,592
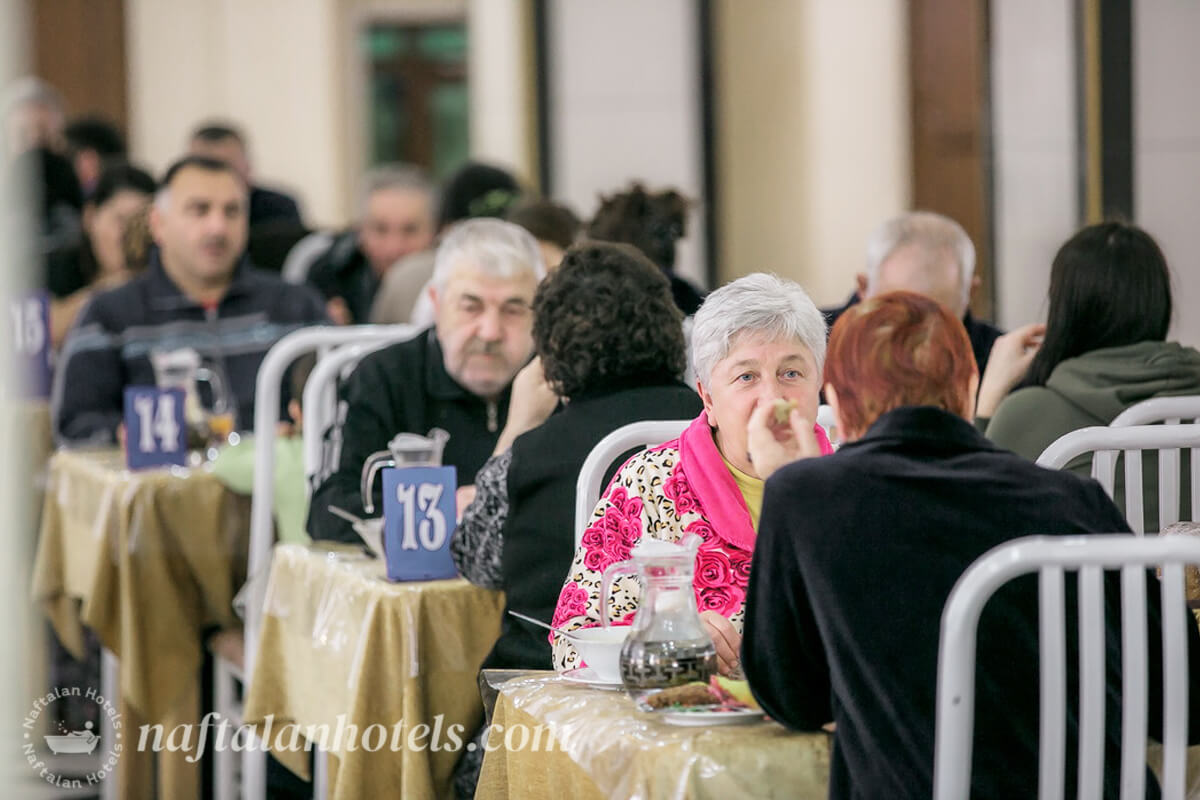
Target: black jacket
x,y
267,205
342,271
539,533
856,555
403,388
109,347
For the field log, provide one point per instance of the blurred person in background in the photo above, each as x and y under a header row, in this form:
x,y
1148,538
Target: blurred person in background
x,y
396,221
474,190
33,116
198,293
929,254
653,222
553,224
96,262
92,142
225,142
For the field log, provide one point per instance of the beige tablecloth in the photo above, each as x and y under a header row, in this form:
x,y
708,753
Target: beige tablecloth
x,y
339,643
147,560
604,747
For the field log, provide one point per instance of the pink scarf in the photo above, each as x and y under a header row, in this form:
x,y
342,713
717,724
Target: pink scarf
x,y
713,485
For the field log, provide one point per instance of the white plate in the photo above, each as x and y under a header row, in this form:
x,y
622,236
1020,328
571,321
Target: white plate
x,y
733,716
587,676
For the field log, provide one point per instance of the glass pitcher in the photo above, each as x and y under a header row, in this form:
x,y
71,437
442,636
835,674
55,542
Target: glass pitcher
x,y
185,369
405,450
668,644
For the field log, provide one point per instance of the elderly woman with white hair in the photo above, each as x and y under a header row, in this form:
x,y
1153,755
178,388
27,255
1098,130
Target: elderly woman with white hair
x,y
756,341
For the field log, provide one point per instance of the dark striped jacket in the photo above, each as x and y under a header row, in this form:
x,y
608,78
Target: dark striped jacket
x,y
109,348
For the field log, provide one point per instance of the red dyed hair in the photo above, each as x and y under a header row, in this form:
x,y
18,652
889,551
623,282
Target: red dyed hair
x,y
898,349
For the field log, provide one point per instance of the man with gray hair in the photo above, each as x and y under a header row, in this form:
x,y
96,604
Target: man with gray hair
x,y
456,375
396,208
929,254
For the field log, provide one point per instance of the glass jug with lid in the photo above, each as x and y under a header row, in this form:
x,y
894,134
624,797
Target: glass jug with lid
x,y
404,450
209,415
668,644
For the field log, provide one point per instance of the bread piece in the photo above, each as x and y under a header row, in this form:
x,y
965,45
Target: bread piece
x,y
783,409
689,694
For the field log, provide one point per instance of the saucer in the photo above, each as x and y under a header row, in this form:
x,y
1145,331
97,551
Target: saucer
x,y
699,715
586,676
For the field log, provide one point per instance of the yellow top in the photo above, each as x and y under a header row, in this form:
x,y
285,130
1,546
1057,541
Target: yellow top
x,y
750,487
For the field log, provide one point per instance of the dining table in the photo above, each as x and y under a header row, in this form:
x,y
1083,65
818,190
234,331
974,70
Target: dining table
x,y
552,738
150,561
391,665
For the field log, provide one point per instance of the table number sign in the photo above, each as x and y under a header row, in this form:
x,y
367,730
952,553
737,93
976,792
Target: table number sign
x,y
154,427
30,320
419,516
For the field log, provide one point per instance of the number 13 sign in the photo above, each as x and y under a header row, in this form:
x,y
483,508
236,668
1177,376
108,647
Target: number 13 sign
x,y
418,518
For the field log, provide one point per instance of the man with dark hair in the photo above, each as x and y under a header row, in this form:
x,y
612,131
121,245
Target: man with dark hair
x,y
226,143
196,293
91,143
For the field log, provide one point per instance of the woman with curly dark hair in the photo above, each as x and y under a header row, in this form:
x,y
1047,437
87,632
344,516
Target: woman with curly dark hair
x,y
609,344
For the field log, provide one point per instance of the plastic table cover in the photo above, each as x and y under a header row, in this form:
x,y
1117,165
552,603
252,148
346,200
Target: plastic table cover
x,y
602,746
148,560
341,648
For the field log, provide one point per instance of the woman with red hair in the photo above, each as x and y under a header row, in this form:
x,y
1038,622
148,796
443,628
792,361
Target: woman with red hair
x,y
858,551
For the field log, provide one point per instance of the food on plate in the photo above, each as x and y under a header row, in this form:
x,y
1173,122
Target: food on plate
x,y
783,408
688,694
738,690
719,691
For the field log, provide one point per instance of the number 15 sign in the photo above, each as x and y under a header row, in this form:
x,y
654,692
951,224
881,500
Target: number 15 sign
x,y
418,517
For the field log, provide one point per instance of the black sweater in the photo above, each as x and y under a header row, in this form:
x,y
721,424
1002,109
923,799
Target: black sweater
x,y
403,388
539,534
109,347
856,555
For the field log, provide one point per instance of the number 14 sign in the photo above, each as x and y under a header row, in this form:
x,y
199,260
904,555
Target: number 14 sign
x,y
418,517
154,429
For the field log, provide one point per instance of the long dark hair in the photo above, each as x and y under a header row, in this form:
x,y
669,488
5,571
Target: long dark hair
x,y
1109,287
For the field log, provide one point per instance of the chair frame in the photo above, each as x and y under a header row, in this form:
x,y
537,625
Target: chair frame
x,y
636,434
1106,443
268,384
1051,556
1169,410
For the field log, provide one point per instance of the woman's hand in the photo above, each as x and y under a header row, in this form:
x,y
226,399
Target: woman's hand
x,y
773,444
463,497
1009,361
727,640
532,401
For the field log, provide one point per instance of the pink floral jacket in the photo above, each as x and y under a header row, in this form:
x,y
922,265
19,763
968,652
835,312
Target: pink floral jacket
x,y
678,487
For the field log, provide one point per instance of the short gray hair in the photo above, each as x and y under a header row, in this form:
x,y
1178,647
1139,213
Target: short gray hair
x,y
30,90
398,176
931,232
496,248
762,304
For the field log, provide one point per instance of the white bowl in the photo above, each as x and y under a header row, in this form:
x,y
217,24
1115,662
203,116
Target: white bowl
x,y
600,649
